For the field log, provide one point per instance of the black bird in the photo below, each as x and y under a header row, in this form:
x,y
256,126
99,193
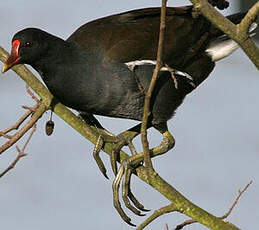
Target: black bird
x,y
105,68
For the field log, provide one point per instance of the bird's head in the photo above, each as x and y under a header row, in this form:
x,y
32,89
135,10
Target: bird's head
x,y
28,46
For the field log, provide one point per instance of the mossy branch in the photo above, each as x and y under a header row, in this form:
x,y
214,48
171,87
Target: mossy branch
x,y
157,213
181,204
238,33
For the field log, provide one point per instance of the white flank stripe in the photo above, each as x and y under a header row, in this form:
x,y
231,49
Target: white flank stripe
x,y
132,64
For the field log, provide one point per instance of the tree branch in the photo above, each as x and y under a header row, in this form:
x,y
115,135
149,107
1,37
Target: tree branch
x,y
156,214
21,153
248,19
15,126
233,31
146,112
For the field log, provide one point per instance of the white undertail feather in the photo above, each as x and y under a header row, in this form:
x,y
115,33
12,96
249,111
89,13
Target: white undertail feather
x,y
224,46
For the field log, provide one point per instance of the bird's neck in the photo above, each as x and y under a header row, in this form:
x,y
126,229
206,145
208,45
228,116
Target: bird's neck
x,y
61,53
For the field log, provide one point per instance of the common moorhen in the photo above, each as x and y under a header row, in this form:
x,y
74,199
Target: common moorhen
x,y
105,68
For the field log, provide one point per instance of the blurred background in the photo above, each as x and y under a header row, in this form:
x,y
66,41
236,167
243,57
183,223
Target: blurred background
x,y
58,185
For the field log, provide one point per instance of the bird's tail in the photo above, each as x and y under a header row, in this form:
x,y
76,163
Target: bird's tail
x,y
223,46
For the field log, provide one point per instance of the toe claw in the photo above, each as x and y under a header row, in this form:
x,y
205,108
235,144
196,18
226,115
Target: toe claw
x,y
113,160
116,153
126,189
96,152
124,175
136,202
116,202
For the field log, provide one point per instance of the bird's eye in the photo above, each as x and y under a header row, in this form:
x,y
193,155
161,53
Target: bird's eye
x,y
28,44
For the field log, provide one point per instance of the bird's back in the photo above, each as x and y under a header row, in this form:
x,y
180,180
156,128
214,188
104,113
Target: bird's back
x,y
134,35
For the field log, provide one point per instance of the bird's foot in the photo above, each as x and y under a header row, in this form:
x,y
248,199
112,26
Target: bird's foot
x,y
124,175
123,139
126,169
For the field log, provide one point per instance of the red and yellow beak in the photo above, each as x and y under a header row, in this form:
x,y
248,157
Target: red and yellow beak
x,y
14,58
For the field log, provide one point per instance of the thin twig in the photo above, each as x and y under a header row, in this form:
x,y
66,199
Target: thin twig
x,y
32,94
227,214
147,159
24,117
2,134
12,165
29,138
21,153
32,109
157,213
40,110
240,193
15,126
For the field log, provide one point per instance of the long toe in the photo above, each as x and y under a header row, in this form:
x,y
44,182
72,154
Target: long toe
x,y
113,159
96,155
132,148
116,201
126,189
121,142
136,202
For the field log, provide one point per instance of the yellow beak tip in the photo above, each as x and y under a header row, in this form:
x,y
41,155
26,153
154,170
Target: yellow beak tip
x,y
5,68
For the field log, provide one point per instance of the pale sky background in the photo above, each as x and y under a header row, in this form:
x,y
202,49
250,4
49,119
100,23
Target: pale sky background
x,y
58,185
